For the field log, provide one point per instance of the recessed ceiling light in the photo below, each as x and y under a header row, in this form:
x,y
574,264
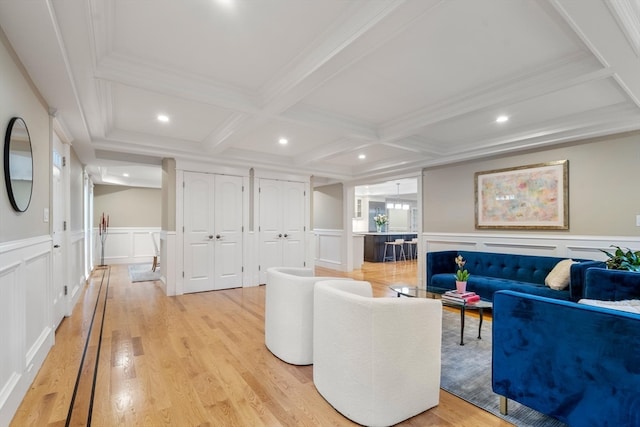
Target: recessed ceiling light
x,y
362,156
283,141
163,118
126,175
502,119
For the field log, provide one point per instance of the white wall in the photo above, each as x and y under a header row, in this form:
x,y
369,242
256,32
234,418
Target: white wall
x,y
327,207
125,245
127,206
26,333
545,244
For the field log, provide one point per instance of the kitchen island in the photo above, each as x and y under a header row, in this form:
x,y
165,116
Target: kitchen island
x,y
374,244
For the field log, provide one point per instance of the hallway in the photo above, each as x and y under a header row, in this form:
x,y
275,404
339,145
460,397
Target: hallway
x,y
191,360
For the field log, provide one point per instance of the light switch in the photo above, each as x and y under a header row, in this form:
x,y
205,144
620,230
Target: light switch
x,y
45,216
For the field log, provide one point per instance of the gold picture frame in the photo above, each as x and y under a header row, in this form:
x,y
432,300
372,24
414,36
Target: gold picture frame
x,y
531,197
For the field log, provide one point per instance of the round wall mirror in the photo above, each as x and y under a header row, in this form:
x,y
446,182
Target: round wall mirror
x,y
18,164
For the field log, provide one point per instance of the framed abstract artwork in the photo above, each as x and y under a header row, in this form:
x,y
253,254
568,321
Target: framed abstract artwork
x,y
532,197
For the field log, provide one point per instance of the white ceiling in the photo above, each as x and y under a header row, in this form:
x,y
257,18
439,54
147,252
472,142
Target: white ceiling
x,y
409,84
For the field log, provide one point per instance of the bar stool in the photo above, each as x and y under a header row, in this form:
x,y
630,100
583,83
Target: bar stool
x,y
412,248
394,244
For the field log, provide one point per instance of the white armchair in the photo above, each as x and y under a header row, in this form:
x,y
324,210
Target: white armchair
x,y
288,316
375,360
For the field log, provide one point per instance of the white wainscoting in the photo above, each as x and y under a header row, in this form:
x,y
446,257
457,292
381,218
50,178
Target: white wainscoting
x,y
26,335
328,249
251,249
76,276
125,245
329,244
310,249
556,245
358,251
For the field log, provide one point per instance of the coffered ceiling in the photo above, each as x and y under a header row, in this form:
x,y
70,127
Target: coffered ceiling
x,y
407,84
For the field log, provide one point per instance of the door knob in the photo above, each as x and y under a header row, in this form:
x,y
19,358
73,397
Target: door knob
x,y
279,235
218,236
56,246
286,235
210,236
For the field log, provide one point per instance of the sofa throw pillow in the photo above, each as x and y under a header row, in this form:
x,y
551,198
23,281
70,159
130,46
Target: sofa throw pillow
x,y
558,278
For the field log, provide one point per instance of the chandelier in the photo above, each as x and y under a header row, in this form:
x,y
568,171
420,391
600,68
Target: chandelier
x,y
397,204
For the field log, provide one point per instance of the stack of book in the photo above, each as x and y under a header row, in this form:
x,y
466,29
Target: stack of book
x,y
464,298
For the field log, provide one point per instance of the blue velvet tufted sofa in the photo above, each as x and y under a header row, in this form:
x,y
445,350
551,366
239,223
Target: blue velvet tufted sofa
x,y
492,272
611,285
574,362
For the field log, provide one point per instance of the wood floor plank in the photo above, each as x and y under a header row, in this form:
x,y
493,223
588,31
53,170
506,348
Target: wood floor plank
x,y
197,360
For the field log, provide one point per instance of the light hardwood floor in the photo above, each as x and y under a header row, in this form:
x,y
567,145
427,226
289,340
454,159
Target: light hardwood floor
x,y
191,360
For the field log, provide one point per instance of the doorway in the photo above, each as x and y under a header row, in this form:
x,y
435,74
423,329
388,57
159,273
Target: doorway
x,y
400,200
59,182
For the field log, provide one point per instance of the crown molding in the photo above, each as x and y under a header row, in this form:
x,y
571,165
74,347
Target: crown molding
x,y
600,121
134,142
61,129
418,145
570,71
129,71
627,15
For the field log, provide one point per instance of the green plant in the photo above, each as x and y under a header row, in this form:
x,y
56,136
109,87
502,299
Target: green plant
x,y
462,275
622,260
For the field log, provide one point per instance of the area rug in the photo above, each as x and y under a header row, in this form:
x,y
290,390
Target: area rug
x,y
466,371
143,273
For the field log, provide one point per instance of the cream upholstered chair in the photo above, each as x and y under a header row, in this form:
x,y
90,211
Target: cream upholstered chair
x,y
288,316
375,360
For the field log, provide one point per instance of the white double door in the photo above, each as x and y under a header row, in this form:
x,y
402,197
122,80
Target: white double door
x,y
213,212
282,213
